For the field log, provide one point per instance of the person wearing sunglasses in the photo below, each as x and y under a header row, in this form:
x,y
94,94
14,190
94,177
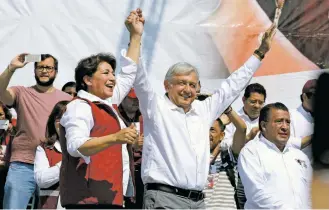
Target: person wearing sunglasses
x,y
302,122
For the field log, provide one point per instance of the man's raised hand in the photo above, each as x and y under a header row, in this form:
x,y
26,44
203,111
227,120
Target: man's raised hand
x,y
17,62
267,39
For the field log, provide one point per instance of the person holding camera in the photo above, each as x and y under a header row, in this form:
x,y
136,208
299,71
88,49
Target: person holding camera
x,y
33,106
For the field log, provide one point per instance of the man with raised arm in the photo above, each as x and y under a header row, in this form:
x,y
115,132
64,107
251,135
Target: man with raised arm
x,y
33,106
176,130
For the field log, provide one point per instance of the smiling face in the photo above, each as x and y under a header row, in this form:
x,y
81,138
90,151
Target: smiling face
x,y
102,82
277,127
181,89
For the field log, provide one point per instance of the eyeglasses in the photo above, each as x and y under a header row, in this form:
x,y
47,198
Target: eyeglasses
x,y
310,94
47,68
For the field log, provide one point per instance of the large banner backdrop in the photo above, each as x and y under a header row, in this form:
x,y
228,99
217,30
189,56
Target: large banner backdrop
x,y
217,36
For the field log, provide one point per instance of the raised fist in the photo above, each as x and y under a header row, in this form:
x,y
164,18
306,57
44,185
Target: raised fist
x,y
135,22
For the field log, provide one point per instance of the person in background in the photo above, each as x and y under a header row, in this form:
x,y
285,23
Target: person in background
x,y
320,145
92,132
275,175
70,88
253,101
33,106
221,189
129,110
302,122
48,159
7,133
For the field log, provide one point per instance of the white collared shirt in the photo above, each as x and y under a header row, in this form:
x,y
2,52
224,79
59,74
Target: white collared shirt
x,y
230,128
44,175
302,124
78,119
176,144
273,179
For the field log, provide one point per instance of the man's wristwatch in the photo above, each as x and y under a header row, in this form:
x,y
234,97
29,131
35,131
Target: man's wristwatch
x,y
228,110
260,54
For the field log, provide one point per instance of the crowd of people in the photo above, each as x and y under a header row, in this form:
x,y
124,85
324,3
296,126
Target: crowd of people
x,y
110,141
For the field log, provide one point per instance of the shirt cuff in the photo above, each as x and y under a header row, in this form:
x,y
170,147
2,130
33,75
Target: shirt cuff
x,y
126,61
85,158
253,62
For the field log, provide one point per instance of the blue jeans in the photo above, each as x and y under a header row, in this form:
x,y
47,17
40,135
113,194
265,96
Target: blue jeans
x,y
20,185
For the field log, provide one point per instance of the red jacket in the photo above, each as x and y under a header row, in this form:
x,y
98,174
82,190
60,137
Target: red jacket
x,y
100,181
48,198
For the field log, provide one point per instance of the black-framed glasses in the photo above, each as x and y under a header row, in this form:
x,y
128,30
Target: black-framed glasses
x,y
47,68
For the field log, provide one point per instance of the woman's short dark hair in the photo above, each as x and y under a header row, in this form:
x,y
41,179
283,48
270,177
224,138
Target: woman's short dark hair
x,y
7,112
56,114
88,66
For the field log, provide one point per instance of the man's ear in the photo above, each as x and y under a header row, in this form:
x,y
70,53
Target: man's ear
x,y
244,99
87,80
222,135
166,85
304,96
263,125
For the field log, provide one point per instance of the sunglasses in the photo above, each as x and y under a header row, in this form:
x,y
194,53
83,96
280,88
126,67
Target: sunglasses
x,y
310,94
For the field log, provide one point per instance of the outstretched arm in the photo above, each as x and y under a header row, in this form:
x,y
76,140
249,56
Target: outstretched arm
x,y
239,137
238,80
7,95
129,60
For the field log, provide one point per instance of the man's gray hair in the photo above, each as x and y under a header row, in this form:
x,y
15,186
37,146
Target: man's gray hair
x,y
181,68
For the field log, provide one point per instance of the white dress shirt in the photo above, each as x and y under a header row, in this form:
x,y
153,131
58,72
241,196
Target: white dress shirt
x,y
302,124
176,146
44,175
230,130
273,179
78,119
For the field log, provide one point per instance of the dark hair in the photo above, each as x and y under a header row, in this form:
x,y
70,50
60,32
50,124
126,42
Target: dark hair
x,y
69,84
321,115
265,112
56,113
44,57
202,97
255,88
88,66
7,112
221,124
